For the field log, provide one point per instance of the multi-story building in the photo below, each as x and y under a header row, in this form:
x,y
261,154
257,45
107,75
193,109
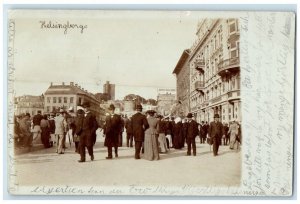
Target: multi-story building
x,y
215,71
29,104
165,102
67,96
109,89
182,71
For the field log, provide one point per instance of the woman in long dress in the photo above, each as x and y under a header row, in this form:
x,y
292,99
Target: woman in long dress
x,y
150,142
177,142
45,135
233,131
162,141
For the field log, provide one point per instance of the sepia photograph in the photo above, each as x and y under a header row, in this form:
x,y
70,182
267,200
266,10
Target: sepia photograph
x,y
149,103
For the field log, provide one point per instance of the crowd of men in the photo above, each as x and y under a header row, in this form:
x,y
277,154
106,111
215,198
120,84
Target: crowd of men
x,y
81,128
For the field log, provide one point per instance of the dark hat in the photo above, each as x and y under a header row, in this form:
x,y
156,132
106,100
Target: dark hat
x,y
80,111
27,114
139,107
111,107
159,116
189,115
39,111
86,104
151,111
216,116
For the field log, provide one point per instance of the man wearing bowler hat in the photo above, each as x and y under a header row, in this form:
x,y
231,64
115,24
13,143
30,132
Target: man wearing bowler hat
x,y
113,125
192,132
89,127
215,132
139,124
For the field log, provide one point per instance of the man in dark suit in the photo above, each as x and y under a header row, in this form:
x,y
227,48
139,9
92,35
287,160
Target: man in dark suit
x,y
139,124
128,132
89,127
113,125
215,132
192,132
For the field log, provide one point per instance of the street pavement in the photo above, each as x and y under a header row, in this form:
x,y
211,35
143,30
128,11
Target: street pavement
x,y
45,167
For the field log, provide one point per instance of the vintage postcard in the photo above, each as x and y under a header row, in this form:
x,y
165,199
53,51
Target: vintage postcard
x,y
172,103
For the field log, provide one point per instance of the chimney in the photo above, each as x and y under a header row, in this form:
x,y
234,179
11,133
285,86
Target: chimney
x,y
72,83
51,84
76,84
63,83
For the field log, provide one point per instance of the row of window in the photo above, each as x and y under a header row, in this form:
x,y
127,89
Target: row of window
x,y
60,99
233,84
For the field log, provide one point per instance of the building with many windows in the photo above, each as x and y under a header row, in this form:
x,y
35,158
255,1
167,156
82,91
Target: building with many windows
x,y
215,71
165,103
182,71
28,104
68,95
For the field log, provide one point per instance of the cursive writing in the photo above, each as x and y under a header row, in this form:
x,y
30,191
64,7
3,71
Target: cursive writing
x,y
64,26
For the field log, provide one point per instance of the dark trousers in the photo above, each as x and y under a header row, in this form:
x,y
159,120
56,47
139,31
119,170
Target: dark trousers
x,y
120,139
216,144
77,147
109,150
129,139
82,151
202,140
138,147
191,143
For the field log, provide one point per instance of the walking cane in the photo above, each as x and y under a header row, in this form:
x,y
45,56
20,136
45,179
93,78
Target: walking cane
x,y
69,139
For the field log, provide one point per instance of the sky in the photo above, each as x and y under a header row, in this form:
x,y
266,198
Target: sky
x,y
135,50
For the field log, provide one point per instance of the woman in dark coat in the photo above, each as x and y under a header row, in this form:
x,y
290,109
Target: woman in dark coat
x,y
45,135
177,130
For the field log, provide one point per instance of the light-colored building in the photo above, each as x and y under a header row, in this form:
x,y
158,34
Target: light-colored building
x,y
69,95
182,71
165,103
215,71
110,90
29,104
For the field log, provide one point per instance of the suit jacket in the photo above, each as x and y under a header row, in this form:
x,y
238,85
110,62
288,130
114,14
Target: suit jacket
x,y
128,126
215,130
113,126
192,129
139,124
89,127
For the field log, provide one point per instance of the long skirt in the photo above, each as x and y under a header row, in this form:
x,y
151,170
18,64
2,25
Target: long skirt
x,y
151,147
162,143
45,136
233,141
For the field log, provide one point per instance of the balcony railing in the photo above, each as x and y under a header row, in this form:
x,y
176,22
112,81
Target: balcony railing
x,y
228,65
217,99
199,85
200,65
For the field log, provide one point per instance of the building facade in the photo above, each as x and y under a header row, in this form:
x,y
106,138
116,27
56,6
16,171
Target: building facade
x,y
29,104
109,89
66,96
165,103
182,71
215,71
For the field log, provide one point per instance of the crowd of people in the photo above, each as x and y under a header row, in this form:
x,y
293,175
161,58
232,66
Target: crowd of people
x,y
151,134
